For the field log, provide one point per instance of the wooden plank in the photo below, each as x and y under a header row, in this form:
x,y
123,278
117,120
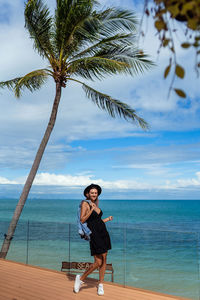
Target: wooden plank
x,y
22,282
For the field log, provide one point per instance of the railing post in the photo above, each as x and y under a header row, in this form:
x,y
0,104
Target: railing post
x,y
27,242
198,261
69,235
125,255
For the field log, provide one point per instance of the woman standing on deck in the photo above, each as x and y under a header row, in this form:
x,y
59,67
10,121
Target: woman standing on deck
x,y
99,238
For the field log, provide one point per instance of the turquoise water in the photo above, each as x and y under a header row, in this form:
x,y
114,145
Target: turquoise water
x,y
155,244
163,214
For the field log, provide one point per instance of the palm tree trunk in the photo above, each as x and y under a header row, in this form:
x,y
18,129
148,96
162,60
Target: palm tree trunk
x,y
32,174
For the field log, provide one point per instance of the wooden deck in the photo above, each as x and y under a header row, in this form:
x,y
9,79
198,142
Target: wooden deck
x,y
24,282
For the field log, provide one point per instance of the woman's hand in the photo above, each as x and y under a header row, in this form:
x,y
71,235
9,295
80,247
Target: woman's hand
x,y
92,205
108,219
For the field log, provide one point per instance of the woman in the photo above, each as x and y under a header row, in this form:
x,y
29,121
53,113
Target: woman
x,y
99,238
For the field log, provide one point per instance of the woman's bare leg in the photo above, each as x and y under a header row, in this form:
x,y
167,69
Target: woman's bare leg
x,y
97,263
102,268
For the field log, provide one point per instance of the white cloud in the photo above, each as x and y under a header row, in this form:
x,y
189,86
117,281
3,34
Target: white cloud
x,y
4,180
67,180
67,186
195,182
81,180
63,180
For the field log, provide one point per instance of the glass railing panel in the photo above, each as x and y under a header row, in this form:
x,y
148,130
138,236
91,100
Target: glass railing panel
x,y
117,256
79,248
48,244
156,260
18,246
161,261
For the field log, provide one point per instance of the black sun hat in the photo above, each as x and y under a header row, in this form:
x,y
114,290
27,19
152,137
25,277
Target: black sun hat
x,y
92,186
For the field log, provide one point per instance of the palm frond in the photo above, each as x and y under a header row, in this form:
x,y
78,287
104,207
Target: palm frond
x,y
110,59
32,81
39,24
117,40
138,62
109,24
134,61
10,84
116,20
114,107
70,15
97,67
84,33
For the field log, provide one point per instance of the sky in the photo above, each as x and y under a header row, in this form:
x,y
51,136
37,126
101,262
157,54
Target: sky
x,y
87,145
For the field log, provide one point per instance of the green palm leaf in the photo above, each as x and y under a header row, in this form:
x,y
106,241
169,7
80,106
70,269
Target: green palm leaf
x,y
39,24
32,81
84,33
110,60
96,67
75,33
117,40
10,84
115,20
69,16
112,106
134,61
102,26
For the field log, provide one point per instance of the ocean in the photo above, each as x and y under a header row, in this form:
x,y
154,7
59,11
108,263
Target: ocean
x,y
155,243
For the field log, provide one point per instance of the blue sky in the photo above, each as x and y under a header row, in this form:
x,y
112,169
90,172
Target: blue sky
x,y
86,144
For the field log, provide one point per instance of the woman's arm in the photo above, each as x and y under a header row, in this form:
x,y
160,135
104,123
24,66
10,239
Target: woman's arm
x,y
107,219
85,212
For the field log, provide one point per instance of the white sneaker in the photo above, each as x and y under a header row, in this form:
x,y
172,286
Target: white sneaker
x,y
77,283
100,291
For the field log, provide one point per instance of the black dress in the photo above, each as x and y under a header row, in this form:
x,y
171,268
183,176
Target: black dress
x,y
99,238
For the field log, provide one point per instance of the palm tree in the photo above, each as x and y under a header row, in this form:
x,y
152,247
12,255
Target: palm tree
x,y
81,40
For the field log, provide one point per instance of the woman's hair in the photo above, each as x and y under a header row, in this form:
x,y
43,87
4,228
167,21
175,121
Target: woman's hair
x,y
97,202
